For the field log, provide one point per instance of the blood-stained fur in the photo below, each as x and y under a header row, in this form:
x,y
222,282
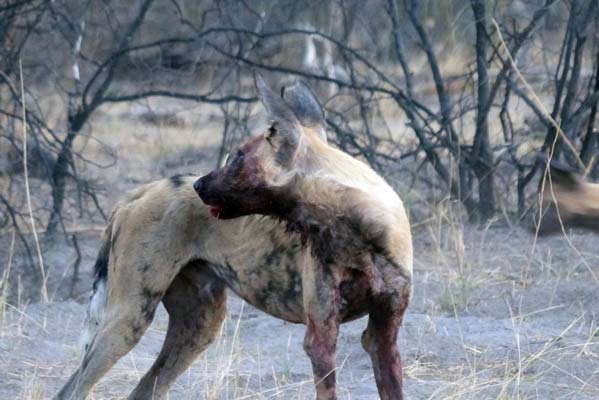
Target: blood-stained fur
x,y
164,244
353,228
568,201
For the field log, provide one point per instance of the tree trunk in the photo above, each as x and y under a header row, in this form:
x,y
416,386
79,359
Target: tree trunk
x,y
59,175
482,154
60,172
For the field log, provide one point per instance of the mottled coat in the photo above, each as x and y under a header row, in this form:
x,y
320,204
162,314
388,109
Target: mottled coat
x,y
164,244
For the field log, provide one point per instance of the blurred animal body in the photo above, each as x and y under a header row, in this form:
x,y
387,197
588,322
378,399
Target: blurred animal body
x,y
356,253
568,201
164,244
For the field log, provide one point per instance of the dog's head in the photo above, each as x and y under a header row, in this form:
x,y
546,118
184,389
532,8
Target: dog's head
x,y
253,181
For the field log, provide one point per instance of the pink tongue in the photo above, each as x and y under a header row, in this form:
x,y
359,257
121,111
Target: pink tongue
x,y
215,211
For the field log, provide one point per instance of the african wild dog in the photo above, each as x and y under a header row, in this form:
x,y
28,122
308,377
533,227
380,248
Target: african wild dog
x,y
568,201
356,244
163,244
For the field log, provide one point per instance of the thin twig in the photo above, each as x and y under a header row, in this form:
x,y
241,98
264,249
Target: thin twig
x,y
76,264
44,290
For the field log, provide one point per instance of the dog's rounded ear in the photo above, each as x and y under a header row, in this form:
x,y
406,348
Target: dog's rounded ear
x,y
306,107
285,128
276,108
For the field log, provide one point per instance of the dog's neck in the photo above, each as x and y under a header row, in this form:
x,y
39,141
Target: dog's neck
x,y
315,209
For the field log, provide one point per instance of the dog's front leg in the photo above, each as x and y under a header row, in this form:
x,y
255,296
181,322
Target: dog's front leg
x,y
321,306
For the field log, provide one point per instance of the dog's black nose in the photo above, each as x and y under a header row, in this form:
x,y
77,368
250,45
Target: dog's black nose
x,y
198,186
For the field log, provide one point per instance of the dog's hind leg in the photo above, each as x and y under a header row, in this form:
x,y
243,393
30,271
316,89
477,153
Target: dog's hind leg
x,y
121,328
128,311
196,304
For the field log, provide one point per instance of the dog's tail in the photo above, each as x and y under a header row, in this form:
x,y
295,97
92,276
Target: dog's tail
x,y
95,308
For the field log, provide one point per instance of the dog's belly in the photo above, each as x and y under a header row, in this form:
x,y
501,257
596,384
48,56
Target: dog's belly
x,y
277,289
274,287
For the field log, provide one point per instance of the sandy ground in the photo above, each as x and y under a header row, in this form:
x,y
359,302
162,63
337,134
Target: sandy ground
x,y
489,319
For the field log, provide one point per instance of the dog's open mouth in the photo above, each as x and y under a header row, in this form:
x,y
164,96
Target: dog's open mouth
x,y
222,211
216,211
